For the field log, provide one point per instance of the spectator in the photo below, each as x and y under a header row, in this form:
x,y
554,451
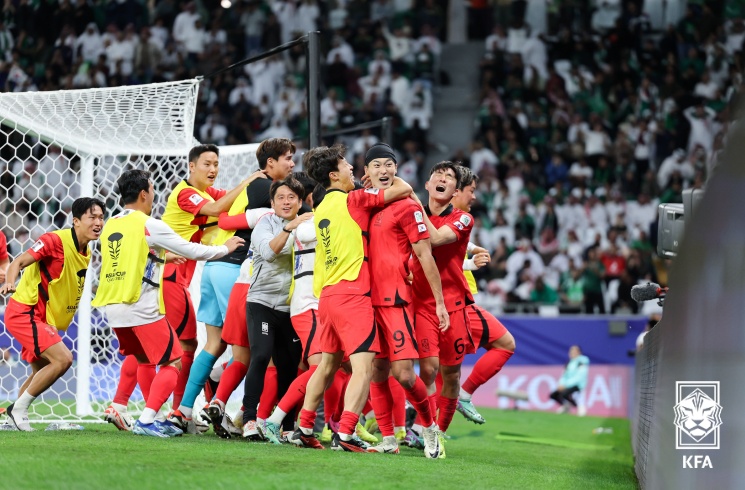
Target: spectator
x,y
573,380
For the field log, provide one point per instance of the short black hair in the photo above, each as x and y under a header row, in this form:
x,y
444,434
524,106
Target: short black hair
x,y
290,182
307,183
318,194
447,164
82,205
131,183
467,177
323,160
195,152
273,148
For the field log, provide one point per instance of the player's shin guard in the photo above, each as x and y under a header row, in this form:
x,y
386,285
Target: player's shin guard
x,y
382,404
296,392
145,376
162,387
417,395
186,361
486,368
200,371
231,378
399,401
447,409
269,395
127,381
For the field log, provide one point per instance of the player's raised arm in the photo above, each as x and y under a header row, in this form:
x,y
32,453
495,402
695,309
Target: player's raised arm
x,y
223,204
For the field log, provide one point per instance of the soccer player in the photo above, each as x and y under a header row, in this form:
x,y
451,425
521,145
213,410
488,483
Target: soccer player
x,y
439,349
4,259
130,294
397,231
219,276
341,280
270,330
46,300
487,331
191,211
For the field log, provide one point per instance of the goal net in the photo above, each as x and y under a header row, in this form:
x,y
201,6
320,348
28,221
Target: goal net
x,y
57,146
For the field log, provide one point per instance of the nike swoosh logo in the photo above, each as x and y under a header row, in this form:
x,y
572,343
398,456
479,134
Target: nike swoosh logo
x,y
397,351
296,340
458,358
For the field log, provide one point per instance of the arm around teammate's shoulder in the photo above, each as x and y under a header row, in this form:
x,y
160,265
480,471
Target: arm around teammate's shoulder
x,y
161,235
398,190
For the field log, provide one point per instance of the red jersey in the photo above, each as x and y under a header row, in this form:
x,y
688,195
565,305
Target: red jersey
x,y
49,252
3,246
449,259
392,232
189,201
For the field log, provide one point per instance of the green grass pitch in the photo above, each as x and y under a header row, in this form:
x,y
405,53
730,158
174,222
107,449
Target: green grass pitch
x,y
513,450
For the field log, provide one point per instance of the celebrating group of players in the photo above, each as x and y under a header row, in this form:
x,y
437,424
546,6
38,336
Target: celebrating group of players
x,y
324,289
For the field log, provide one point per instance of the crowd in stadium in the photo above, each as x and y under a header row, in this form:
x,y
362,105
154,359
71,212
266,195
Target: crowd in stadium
x,y
583,129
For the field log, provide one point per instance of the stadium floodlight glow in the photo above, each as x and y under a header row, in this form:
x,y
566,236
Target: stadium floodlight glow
x,y
225,4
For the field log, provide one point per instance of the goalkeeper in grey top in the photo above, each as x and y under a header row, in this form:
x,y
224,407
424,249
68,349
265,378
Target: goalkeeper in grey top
x,y
270,331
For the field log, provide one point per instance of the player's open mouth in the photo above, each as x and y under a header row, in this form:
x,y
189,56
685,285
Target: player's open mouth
x,y
384,180
440,188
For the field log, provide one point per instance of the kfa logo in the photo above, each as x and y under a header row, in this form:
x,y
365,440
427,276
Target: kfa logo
x,y
115,246
698,415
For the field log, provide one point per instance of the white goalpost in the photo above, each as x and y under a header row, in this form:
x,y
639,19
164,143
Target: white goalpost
x,y
57,146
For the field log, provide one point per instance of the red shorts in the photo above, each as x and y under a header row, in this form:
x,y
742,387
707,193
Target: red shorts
x,y
347,324
485,328
235,327
24,324
396,330
307,328
451,345
157,341
180,310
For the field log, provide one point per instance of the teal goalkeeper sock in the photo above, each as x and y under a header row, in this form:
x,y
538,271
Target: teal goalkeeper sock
x,y
199,373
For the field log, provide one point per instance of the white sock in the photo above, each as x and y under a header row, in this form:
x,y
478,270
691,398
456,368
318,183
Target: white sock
x,y
344,437
369,414
148,416
417,428
186,411
307,432
160,416
464,395
396,430
277,416
119,407
20,406
260,422
390,439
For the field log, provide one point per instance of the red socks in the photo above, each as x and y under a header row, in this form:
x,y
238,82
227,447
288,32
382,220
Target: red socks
x,y
178,393
296,392
417,395
162,387
230,380
486,368
127,381
348,422
447,409
332,397
145,376
399,402
269,395
307,419
382,403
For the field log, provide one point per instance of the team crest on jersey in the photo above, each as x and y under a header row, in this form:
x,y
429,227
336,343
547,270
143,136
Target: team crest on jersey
x,y
372,190
422,228
196,199
418,216
37,246
465,219
459,225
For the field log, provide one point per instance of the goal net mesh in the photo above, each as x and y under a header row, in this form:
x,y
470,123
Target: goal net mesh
x,y
58,146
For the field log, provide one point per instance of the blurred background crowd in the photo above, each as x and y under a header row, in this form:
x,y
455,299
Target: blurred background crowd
x,y
589,117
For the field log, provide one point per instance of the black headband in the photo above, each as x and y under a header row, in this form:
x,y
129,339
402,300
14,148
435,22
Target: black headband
x,y
379,150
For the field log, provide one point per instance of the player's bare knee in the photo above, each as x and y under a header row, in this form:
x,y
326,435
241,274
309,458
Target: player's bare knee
x,y
404,373
506,342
